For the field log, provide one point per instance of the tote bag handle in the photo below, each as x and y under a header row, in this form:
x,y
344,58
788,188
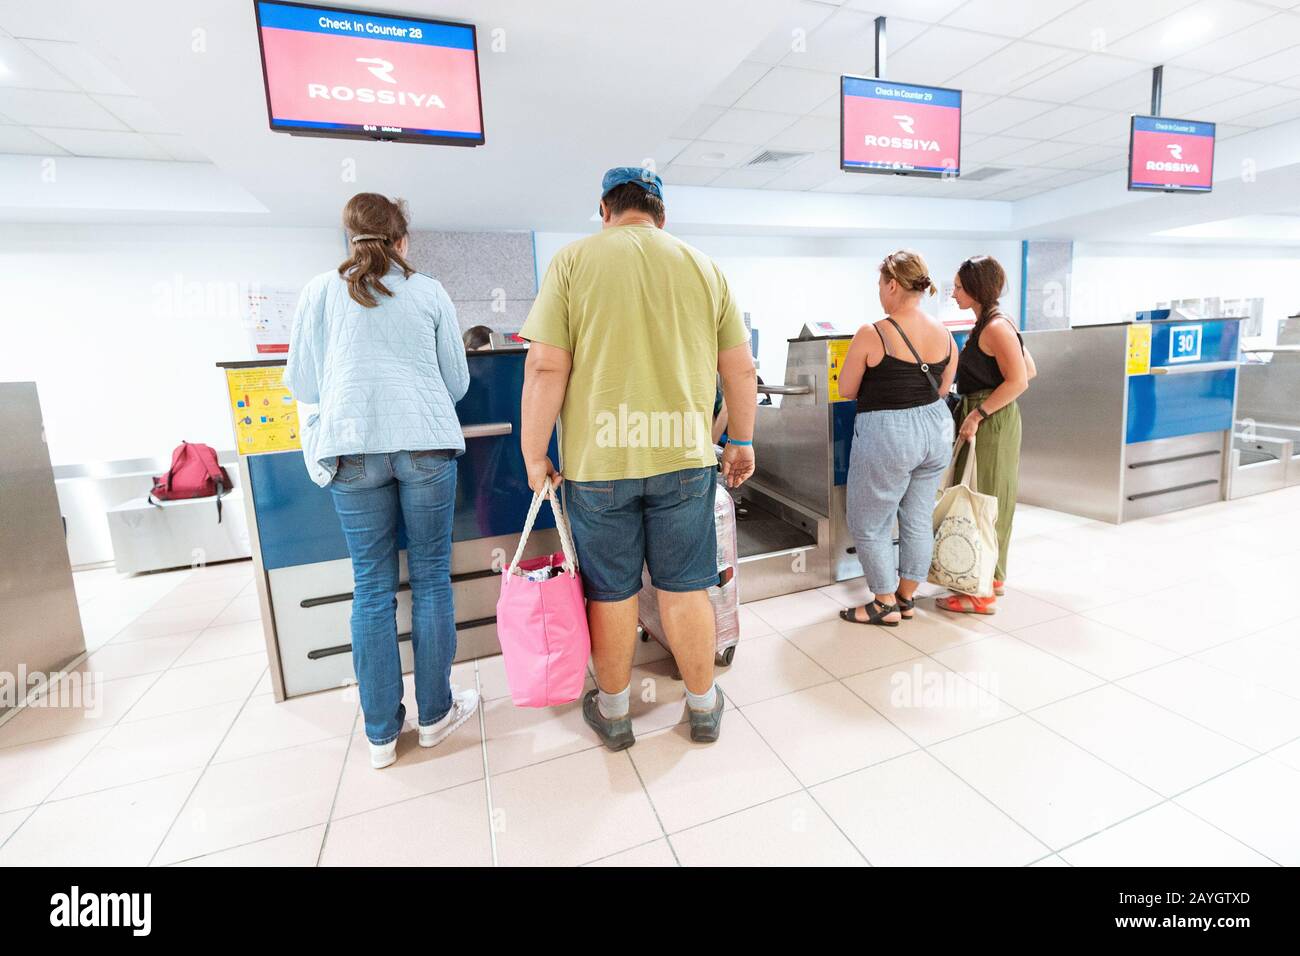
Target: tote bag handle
x,y
547,492
969,476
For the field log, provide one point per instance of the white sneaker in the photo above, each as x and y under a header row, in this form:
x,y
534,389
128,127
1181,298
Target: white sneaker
x,y
383,755
463,705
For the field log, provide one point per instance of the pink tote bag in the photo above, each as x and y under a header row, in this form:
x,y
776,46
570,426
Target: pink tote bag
x,y
542,625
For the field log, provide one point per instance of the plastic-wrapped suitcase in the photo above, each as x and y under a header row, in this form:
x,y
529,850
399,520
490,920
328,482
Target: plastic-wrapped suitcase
x,y
724,596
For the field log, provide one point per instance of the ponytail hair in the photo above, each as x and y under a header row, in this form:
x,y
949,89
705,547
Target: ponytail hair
x,y
375,225
908,269
983,279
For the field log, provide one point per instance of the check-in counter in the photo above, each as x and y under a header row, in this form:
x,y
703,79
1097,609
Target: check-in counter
x,y
1266,446
790,528
1131,420
303,572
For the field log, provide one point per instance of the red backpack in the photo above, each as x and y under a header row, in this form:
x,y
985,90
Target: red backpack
x,y
195,473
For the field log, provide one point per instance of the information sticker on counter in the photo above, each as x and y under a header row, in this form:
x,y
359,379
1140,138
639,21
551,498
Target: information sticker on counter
x,y
264,412
839,349
1184,343
1139,349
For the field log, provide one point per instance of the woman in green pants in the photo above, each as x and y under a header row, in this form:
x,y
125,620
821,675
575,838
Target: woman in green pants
x,y
993,370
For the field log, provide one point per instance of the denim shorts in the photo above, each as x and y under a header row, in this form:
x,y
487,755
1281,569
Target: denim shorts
x,y
665,522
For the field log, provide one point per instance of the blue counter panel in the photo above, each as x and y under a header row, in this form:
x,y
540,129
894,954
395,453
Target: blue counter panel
x,y
296,522
842,419
1219,340
1165,406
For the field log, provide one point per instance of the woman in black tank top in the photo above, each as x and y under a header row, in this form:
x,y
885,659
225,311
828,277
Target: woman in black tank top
x,y
993,370
897,370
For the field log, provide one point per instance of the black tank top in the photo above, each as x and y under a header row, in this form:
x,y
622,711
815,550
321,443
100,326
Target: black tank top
x,y
977,372
894,383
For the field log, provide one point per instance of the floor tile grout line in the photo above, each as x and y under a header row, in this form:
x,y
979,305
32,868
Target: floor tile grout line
x,y
651,800
338,784
246,843
203,772
487,771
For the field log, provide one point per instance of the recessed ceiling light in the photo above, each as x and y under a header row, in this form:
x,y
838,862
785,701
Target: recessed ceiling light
x,y
1186,30
4,70
713,157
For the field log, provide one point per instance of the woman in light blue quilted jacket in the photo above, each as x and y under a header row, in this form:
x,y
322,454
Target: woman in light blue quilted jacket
x,y
376,346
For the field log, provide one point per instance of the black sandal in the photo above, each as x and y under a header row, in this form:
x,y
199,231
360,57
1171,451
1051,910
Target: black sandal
x,y
873,617
905,607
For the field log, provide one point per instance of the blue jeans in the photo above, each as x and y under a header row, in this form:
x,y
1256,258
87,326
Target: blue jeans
x,y
369,492
664,522
895,466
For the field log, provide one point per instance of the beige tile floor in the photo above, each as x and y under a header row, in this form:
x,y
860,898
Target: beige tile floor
x,y
1135,701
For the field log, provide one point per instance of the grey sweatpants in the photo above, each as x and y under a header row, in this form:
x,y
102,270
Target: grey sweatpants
x,y
895,466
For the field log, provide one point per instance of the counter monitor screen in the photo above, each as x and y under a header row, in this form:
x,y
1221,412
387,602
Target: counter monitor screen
x,y
1170,155
346,73
888,127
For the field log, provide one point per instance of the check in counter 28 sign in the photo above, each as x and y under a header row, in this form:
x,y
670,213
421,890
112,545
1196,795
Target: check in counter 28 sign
x,y
264,412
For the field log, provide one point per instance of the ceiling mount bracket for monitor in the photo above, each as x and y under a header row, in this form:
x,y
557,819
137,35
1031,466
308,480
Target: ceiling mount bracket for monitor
x,y
1157,88
880,48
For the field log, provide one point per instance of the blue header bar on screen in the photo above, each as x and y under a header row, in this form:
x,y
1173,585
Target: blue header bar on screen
x,y
364,25
902,92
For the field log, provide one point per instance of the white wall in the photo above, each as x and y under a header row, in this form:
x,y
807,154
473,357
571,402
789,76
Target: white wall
x,y
783,282
1111,281
120,326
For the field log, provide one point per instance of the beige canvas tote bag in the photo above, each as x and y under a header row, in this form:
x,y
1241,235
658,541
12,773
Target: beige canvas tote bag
x,y
965,532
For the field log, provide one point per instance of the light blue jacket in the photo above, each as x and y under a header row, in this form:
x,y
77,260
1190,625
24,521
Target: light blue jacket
x,y
385,378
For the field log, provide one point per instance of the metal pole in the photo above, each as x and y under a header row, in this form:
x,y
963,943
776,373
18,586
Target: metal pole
x,y
880,48
1157,89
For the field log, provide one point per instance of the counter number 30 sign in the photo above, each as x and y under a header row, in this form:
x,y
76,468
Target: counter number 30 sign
x,y
1184,343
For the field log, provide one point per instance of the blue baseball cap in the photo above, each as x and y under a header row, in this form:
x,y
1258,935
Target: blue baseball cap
x,y
642,177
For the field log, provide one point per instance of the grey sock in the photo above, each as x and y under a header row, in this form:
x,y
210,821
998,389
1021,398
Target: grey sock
x,y
614,706
706,701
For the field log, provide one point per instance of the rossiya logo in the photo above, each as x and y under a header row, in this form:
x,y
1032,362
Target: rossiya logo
x,y
1165,166
904,122
908,125
382,70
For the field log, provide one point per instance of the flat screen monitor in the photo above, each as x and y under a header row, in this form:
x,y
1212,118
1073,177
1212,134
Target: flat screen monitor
x,y
335,72
1170,155
888,127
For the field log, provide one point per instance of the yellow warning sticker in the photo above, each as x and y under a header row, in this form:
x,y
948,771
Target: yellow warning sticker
x,y
265,414
1139,349
839,348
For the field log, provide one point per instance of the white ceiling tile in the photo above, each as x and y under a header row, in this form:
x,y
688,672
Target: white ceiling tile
x,y
746,178
1271,69
49,108
1085,157
846,43
927,11
740,80
1255,42
811,132
1199,97
1083,76
1272,116
816,169
698,122
1263,98
1133,94
1003,114
136,112
1065,119
994,148
20,67
751,127
1189,29
667,151
1039,154
20,139
1103,132
1078,175
104,143
718,155
178,148
941,53
79,65
787,90
829,107
1096,24
1007,19
791,32
1015,66
683,175
1224,131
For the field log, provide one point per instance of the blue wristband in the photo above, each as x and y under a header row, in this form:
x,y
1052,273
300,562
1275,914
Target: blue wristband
x,y
737,441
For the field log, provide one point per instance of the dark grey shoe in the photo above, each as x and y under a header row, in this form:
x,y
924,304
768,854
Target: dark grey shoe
x,y
707,724
615,734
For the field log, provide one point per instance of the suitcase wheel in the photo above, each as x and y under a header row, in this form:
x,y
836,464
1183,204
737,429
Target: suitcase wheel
x,y
725,658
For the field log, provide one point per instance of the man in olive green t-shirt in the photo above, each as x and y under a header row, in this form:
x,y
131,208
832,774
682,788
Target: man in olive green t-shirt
x,y
629,332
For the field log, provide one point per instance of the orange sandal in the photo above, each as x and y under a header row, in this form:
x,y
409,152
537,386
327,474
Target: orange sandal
x,y
999,588
967,604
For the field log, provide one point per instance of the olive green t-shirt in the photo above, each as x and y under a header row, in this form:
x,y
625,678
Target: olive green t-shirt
x,y
644,316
